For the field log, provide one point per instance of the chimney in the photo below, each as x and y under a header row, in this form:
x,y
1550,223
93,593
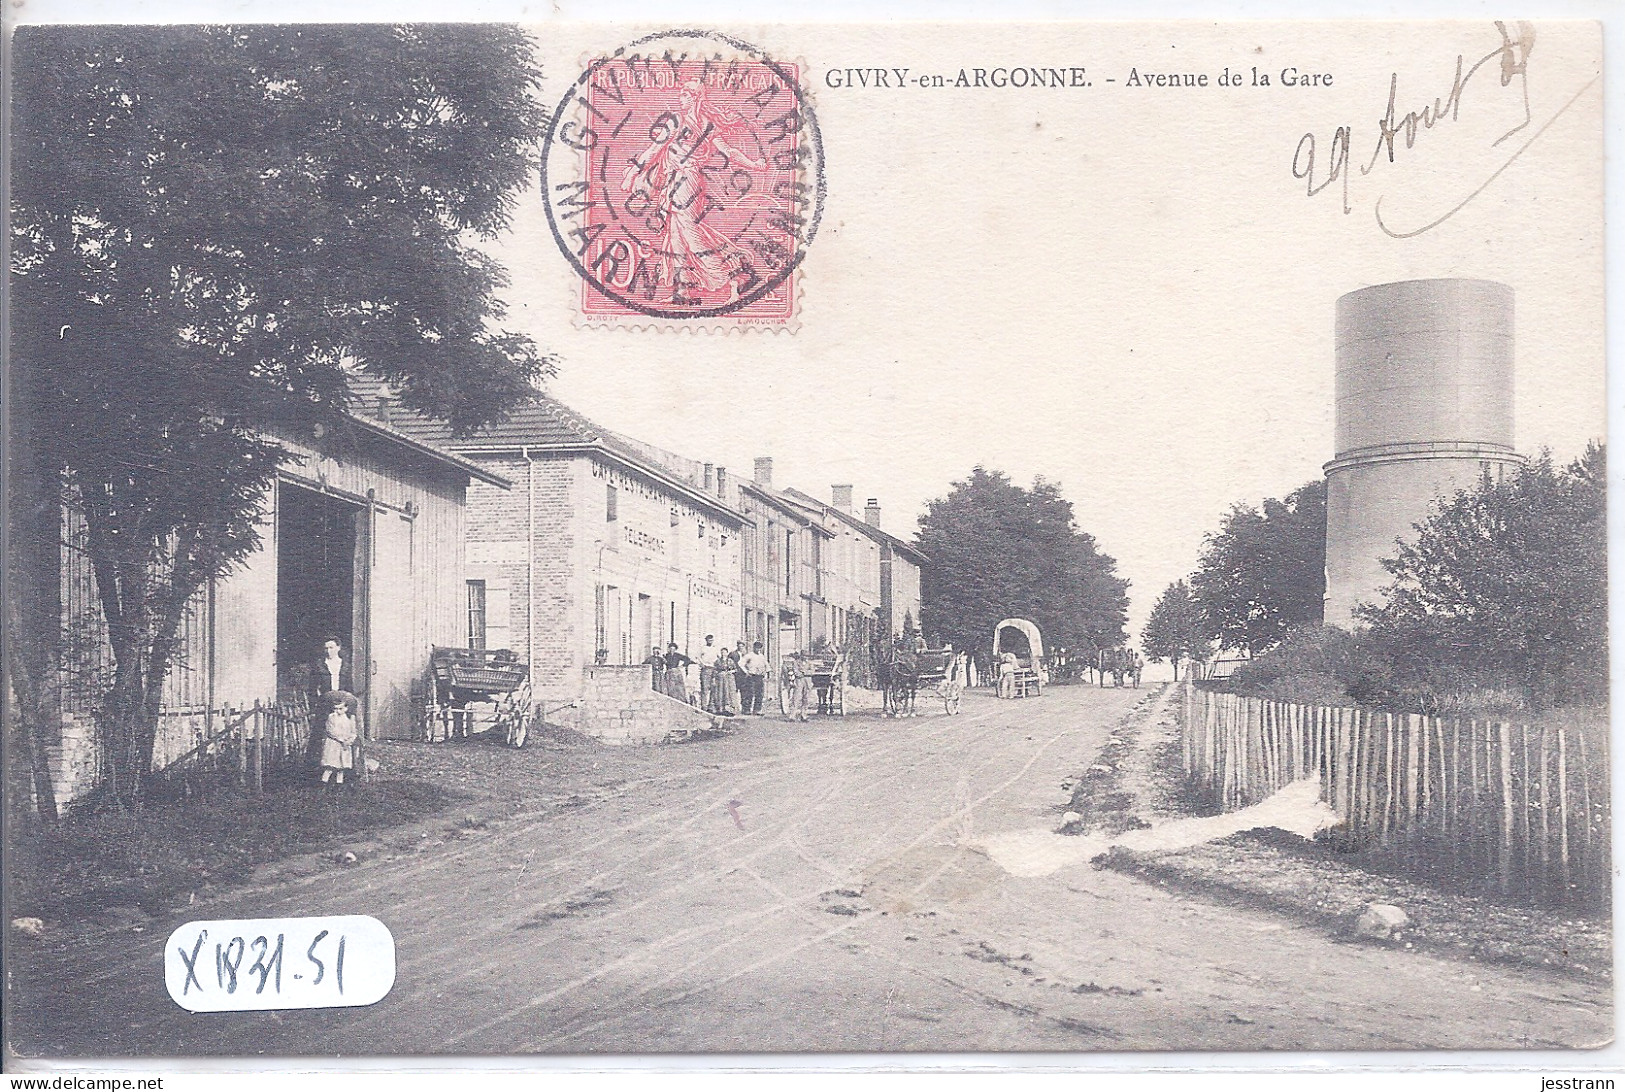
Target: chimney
x,y
764,470
871,513
722,482
709,478
841,497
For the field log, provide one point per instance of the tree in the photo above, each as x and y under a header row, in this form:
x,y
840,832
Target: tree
x,y
1176,629
1265,570
1506,584
998,551
209,225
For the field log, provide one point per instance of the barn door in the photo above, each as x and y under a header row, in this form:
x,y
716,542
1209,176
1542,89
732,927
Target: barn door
x,y
391,627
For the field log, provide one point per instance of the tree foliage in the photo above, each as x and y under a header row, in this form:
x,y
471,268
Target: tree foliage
x,y
1505,585
1265,570
998,551
209,224
1176,629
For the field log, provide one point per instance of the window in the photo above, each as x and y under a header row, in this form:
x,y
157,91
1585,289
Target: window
x,y
611,504
600,627
476,614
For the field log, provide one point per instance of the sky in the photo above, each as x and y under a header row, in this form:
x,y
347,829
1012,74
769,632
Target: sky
x,y
1123,290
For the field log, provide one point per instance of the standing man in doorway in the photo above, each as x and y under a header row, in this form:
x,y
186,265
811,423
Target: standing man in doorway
x,y
330,672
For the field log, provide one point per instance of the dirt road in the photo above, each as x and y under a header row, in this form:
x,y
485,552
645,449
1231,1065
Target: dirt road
x,y
807,887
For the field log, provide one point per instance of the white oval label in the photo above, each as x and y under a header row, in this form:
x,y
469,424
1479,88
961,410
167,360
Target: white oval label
x,y
279,963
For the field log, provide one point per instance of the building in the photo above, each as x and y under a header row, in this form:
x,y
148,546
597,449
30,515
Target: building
x,y
362,539
1424,407
603,549
780,574
870,579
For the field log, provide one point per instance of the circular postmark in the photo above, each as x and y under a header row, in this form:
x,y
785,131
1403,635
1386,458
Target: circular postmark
x,y
683,177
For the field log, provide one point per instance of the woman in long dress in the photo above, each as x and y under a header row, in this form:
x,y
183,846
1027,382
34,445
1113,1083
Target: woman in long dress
x,y
676,680
727,678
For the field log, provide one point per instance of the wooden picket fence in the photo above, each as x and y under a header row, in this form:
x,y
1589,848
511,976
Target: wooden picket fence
x,y
248,745
1522,809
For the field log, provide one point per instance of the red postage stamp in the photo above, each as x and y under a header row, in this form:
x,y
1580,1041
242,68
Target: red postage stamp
x,y
685,181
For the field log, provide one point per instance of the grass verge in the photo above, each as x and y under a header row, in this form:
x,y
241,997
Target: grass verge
x,y
152,857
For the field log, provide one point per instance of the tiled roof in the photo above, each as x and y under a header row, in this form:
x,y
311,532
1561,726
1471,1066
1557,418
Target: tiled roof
x,y
543,422
904,548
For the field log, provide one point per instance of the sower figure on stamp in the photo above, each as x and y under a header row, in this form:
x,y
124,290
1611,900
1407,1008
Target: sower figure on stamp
x,y
672,171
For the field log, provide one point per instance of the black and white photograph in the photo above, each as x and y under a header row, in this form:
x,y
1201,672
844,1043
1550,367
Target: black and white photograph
x,y
585,538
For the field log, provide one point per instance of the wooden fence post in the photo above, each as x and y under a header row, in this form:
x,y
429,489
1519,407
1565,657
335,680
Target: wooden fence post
x,y
259,750
1563,805
1506,806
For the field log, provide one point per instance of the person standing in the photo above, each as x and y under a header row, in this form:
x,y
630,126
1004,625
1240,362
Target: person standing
x,y
657,669
676,682
801,689
329,673
727,676
753,668
338,737
741,680
708,674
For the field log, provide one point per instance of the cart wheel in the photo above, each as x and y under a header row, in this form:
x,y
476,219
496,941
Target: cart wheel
x,y
784,697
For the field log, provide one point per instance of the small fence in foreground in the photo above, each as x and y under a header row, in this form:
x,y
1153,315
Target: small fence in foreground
x,y
247,745
1516,808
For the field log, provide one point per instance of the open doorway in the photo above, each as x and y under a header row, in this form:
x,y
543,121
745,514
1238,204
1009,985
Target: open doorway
x,y
317,542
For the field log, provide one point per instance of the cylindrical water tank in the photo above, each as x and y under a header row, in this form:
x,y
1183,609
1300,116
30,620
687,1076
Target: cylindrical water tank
x,y
1424,407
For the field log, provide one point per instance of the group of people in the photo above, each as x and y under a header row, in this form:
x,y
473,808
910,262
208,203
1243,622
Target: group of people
x,y
334,709
732,680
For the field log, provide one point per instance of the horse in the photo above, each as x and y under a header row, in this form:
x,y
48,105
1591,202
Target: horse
x,y
1116,662
898,671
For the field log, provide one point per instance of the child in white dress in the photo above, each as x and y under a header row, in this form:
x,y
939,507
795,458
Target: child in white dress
x,y
338,740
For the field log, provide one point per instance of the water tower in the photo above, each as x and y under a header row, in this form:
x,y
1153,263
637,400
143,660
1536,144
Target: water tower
x,y
1424,407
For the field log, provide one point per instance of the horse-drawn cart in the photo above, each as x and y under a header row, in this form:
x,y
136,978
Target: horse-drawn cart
x,y
1019,676
463,680
905,672
827,670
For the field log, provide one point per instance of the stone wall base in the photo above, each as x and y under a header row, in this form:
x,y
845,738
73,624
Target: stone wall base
x,y
618,706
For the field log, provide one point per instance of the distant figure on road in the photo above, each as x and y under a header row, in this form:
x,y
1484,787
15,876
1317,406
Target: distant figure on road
x,y
1007,675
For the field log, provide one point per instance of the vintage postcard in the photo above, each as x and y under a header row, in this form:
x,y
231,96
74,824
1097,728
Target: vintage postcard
x,y
593,538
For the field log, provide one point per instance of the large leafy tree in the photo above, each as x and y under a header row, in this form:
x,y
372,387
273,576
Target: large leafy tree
x,y
1265,570
1176,629
209,225
998,550
1506,583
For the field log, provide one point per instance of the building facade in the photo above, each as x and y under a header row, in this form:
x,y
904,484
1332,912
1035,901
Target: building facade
x,y
362,540
598,553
